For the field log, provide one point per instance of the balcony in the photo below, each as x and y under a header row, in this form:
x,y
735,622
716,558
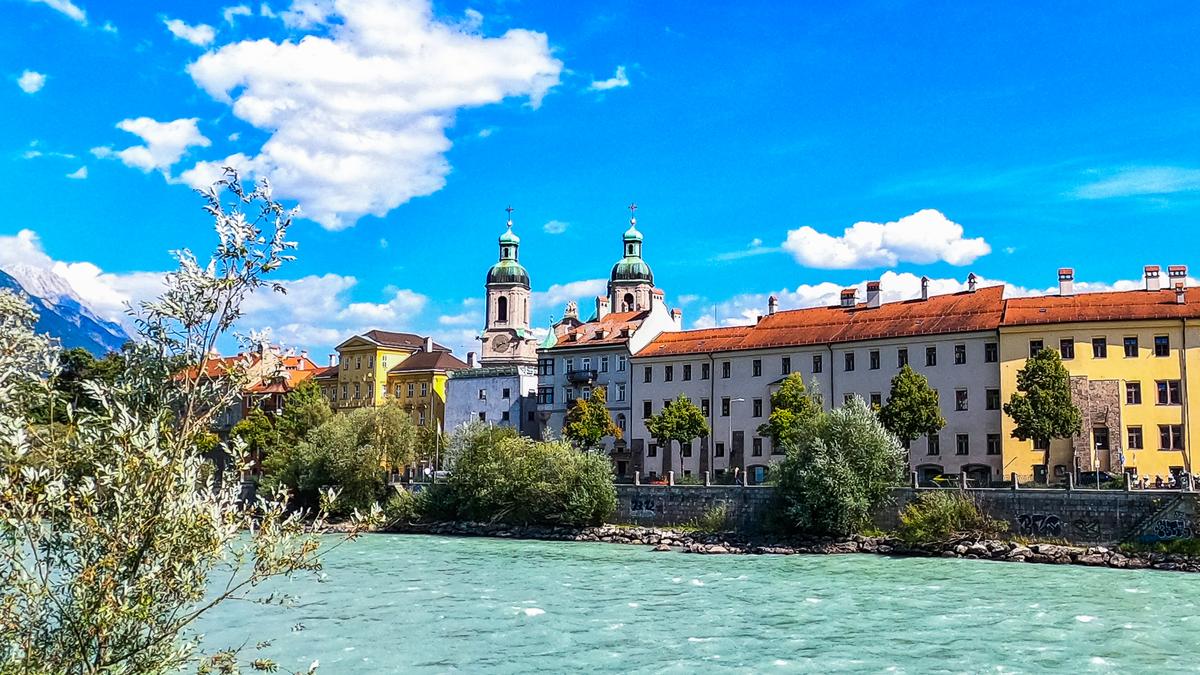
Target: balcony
x,y
581,376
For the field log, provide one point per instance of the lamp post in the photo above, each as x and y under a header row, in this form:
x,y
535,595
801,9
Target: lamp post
x,y
743,467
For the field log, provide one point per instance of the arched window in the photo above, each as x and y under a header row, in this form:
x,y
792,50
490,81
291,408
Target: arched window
x,y
502,309
627,303
621,422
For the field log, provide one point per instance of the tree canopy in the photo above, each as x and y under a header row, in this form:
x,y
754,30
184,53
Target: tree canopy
x,y
1042,407
588,421
680,420
792,408
912,408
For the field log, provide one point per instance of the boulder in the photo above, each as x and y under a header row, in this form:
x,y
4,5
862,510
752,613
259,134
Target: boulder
x,y
1092,560
661,548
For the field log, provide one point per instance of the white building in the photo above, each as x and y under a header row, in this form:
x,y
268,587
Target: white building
x,y
499,395
577,357
851,349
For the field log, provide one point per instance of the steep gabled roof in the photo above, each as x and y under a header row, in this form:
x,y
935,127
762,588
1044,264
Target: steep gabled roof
x,y
437,360
613,326
383,338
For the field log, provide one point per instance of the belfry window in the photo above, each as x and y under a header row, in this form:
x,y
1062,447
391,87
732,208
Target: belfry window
x,y
627,303
502,309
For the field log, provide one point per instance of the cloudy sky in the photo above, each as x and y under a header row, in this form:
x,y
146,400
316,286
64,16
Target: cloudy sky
x,y
771,147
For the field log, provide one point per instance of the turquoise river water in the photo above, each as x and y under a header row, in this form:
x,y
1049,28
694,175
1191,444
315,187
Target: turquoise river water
x,y
402,603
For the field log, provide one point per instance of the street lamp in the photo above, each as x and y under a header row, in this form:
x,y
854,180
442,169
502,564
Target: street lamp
x,y
743,467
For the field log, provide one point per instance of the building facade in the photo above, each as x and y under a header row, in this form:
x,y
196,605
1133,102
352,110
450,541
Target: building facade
x,y
854,349
363,364
499,395
581,356
1132,356
418,383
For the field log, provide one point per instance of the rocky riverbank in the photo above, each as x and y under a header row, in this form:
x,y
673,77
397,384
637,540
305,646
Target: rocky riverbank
x,y
729,543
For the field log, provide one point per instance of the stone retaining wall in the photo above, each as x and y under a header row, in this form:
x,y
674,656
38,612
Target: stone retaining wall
x,y
1078,516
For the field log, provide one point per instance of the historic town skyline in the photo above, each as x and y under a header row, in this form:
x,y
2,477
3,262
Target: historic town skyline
x,y
827,151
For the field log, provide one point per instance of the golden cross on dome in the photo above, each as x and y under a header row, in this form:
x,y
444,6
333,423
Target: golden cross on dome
x,y
510,209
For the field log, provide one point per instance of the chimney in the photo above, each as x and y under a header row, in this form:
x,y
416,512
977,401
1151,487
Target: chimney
x,y
972,282
1066,281
873,294
471,360
772,305
849,297
332,360
924,288
1151,273
1180,293
1177,274
677,316
602,307
428,344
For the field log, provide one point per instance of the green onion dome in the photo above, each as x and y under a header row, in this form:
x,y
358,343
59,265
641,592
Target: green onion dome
x,y
508,272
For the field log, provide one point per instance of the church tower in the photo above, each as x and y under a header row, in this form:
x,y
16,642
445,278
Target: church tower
x,y
507,339
631,285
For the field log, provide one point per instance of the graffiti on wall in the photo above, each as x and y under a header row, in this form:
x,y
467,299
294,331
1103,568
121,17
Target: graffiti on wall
x,y
643,508
1039,525
1172,529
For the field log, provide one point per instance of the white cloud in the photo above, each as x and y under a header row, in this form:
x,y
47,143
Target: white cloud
x,y
200,35
552,300
68,8
555,227
383,242
31,82
616,81
165,143
79,174
485,132
230,14
1141,181
924,237
463,319
755,248
358,113
265,10
204,174
108,27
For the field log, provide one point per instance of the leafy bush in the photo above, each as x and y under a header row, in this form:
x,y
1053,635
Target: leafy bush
x,y
522,481
401,507
942,514
1188,547
715,519
839,468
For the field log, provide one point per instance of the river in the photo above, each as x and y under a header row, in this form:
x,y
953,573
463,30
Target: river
x,y
407,603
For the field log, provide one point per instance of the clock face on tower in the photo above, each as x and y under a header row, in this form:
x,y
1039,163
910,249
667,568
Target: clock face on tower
x,y
500,343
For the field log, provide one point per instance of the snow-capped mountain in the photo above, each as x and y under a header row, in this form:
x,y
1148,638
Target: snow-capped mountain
x,y
61,312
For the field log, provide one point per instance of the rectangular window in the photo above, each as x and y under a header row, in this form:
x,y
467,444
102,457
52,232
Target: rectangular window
x,y
725,407
757,407
668,373
585,363
483,394
424,388
345,365
876,400
960,399
1131,347
620,391
873,359
1035,346
960,354
1066,348
816,363
648,374
545,367
991,352
962,444
756,447
358,362
568,395
685,449
785,365
604,364
1162,345
568,365
371,361
1099,348
993,444
705,406
933,443
357,391
621,364
705,371
504,416
931,356
901,357
725,369
506,393
345,392
719,451
421,418
849,356
647,410
1135,438
1168,392
1133,393
1041,444
412,389
545,395
687,372
652,450
991,399
756,367
1170,437
397,391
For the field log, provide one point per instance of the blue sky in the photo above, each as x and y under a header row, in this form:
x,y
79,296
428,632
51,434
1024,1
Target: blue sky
x,y
783,148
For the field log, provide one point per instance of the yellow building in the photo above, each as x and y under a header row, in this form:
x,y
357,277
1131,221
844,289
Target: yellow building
x,y
365,360
1132,356
419,384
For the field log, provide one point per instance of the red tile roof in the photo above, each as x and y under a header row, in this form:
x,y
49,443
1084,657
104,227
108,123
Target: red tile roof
x,y
588,334
1110,306
699,341
437,360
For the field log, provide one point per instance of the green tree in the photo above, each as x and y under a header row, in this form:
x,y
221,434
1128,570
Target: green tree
x,y
257,435
117,535
680,420
589,422
1041,406
793,408
837,473
304,408
912,408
